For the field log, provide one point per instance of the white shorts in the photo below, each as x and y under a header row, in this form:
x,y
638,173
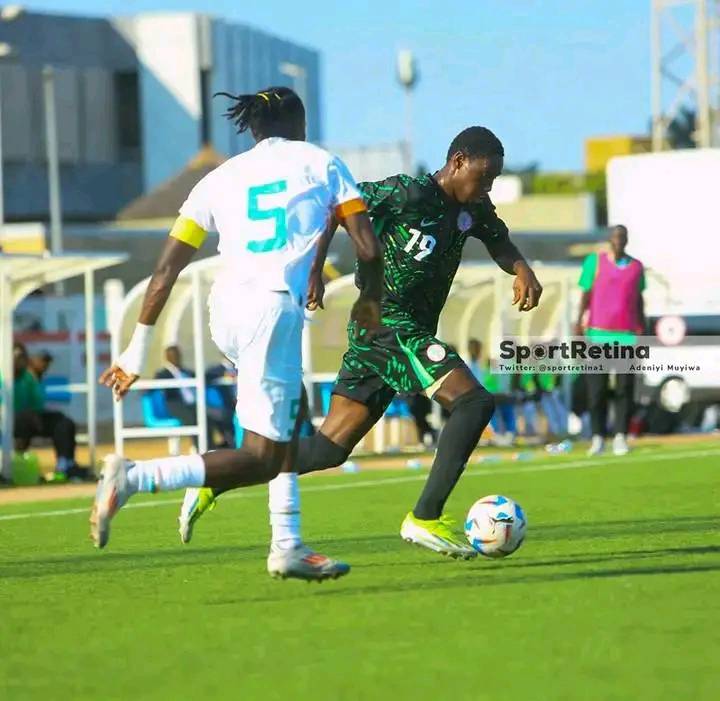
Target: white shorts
x,y
261,333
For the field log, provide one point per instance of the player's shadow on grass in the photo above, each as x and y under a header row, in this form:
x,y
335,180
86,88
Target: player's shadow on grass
x,y
351,547
514,563
604,529
585,559
483,578
503,573
94,562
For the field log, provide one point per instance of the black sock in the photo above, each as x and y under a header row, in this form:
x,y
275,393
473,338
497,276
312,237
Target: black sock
x,y
469,415
319,453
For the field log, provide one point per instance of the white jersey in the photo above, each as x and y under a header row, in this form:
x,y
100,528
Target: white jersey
x,y
269,206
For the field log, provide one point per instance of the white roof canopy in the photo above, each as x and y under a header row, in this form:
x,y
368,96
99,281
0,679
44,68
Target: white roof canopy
x,y
19,276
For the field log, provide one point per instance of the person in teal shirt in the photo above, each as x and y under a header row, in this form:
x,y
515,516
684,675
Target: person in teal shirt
x,y
33,420
503,421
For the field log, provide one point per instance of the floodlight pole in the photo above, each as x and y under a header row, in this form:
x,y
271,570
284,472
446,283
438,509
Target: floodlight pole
x,y
53,159
408,77
408,151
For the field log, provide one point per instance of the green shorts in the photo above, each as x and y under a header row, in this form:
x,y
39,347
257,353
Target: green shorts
x,y
393,361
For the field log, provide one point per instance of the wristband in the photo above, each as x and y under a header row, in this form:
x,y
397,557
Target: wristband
x,y
132,360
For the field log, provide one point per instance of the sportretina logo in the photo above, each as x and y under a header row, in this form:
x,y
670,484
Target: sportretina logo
x,y
572,350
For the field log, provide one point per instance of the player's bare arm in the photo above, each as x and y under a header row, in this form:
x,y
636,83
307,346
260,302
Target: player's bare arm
x,y
641,313
366,310
316,284
584,306
125,371
526,288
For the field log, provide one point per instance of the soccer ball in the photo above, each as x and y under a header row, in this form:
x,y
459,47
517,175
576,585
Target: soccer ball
x,y
495,526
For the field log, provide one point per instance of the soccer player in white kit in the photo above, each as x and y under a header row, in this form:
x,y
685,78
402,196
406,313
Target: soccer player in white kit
x,y
270,207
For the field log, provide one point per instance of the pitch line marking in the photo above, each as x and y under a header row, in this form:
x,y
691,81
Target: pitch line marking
x,y
606,461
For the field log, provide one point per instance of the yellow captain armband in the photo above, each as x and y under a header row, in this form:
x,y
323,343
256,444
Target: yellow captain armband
x,y
189,232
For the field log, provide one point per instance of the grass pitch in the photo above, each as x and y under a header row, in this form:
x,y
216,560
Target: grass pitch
x,y
614,595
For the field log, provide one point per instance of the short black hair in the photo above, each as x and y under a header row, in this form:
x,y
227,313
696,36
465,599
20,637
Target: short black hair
x,y
275,111
476,142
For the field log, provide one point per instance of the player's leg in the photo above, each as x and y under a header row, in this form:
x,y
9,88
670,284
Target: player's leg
x,y
347,423
506,408
258,461
348,420
199,500
288,556
360,397
420,407
624,402
270,345
248,346
470,407
597,390
27,425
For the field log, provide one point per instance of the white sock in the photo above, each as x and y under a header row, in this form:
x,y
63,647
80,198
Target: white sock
x,y
284,503
166,474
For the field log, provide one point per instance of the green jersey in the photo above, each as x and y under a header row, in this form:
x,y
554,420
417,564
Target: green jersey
x,y
423,233
27,393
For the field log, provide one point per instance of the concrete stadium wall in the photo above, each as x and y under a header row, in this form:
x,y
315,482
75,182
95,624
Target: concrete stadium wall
x,y
180,59
85,54
167,46
247,60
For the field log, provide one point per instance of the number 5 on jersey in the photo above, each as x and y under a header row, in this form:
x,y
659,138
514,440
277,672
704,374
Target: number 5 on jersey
x,y
257,213
426,244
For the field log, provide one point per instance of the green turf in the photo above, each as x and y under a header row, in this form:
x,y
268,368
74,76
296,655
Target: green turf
x,y
614,595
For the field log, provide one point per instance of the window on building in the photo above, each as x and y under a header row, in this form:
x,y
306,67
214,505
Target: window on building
x,y
127,109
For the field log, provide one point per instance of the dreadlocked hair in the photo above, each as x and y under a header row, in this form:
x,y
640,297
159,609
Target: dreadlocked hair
x,y
270,112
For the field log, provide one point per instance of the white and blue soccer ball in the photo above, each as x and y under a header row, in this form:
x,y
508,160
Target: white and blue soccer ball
x,y
495,526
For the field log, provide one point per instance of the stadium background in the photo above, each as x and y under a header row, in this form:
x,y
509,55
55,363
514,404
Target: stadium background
x,y
137,127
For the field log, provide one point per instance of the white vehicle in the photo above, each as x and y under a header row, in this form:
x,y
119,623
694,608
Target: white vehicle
x,y
669,202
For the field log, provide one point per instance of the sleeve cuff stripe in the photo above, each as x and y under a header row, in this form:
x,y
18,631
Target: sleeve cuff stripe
x,y
350,207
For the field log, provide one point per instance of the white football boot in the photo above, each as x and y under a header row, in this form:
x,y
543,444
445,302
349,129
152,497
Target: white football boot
x,y
301,562
112,493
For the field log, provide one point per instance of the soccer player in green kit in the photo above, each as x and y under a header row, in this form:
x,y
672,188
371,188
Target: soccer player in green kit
x,y
423,224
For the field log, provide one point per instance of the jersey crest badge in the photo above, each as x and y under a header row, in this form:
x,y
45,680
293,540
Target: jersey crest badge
x,y
436,352
464,221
